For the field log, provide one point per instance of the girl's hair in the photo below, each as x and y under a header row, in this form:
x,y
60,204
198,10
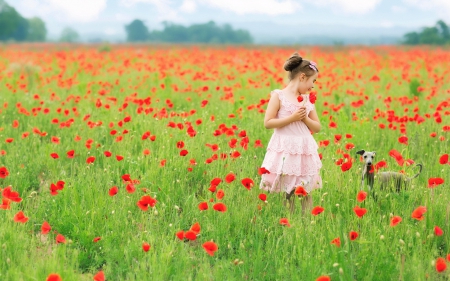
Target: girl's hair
x,y
296,64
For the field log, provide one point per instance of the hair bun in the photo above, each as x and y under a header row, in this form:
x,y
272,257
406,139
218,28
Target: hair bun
x,y
292,62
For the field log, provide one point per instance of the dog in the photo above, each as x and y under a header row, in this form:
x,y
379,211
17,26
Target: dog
x,y
386,179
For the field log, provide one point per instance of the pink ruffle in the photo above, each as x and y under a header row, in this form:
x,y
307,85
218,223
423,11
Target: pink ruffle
x,y
280,182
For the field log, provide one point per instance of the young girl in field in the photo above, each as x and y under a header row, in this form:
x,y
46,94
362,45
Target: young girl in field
x,y
292,160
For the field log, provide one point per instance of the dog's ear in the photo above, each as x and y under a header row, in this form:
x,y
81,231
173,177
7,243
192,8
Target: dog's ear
x,y
374,153
361,152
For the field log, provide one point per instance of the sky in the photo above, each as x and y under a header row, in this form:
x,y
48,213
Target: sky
x,y
264,19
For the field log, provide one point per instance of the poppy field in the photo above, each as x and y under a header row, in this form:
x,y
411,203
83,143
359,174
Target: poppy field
x,y
144,163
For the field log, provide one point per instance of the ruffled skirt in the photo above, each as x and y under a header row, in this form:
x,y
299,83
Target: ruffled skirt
x,y
292,161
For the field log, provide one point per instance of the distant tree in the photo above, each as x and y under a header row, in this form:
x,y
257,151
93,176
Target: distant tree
x,y
69,35
36,30
443,30
201,33
137,31
435,35
12,25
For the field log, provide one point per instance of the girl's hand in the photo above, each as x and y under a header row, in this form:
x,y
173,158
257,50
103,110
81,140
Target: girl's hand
x,y
299,115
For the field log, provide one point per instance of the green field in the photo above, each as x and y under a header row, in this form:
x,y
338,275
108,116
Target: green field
x,y
141,102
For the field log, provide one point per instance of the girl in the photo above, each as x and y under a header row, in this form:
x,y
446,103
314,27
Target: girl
x,y
291,158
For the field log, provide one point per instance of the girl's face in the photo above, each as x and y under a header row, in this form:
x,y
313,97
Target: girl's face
x,y
306,84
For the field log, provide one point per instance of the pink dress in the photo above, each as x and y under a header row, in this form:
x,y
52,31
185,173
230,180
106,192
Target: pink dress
x,y
291,158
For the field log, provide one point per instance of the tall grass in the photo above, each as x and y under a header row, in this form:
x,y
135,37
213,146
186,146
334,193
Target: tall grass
x,y
252,245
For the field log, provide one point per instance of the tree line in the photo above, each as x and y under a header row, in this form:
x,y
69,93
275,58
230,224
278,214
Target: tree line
x,y
439,34
15,27
208,32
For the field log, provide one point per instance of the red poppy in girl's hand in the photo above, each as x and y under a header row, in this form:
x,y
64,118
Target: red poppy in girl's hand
x,y
313,98
299,98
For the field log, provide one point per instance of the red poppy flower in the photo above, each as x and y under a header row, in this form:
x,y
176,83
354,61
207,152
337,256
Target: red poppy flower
x,y
5,204
346,166
3,172
210,247
195,228
212,188
300,98
395,220
96,239
247,183
360,212
220,207
317,210
332,125
183,152
54,277
262,197
230,178
100,276
146,201
107,153
145,247
312,97
216,181
90,160
336,241
353,235
180,234
323,278
284,221
20,217
54,155
55,140
180,144
119,157
262,171
45,228
60,239
433,182
130,188
11,195
203,206
9,140
349,146
403,140
418,213
300,191
70,153
444,159
441,265
15,124
438,231
190,235
220,194
361,196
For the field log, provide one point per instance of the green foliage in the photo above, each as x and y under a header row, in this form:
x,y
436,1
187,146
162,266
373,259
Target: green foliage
x,y
435,35
208,32
137,31
414,84
104,48
69,35
37,31
13,25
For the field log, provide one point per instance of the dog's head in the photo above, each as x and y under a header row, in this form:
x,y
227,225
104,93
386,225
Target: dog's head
x,y
368,156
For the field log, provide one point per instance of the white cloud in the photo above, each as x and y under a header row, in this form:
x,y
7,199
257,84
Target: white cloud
x,y
350,6
398,9
387,24
266,7
440,7
72,10
165,10
188,6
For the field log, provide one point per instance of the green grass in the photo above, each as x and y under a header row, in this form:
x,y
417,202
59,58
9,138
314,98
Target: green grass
x,y
252,245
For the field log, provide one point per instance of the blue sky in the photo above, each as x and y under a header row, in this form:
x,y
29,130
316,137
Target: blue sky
x,y
260,17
